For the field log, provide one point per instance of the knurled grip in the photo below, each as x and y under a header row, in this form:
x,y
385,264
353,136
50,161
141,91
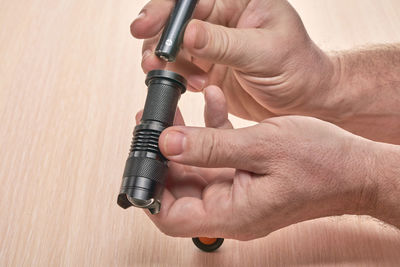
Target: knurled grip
x,y
146,167
162,100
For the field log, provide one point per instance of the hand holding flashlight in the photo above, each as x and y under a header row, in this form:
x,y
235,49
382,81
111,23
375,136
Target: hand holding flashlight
x,y
251,181
274,160
258,52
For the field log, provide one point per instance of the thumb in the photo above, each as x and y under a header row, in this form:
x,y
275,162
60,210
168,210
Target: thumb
x,y
222,45
210,147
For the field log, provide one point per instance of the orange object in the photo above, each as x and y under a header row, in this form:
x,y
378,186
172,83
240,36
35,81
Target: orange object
x,y
207,240
207,244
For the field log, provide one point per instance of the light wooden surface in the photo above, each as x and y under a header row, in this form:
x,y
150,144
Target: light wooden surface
x,y
70,84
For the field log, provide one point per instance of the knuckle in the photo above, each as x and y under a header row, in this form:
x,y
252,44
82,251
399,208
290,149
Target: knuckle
x,y
209,148
266,148
224,44
257,158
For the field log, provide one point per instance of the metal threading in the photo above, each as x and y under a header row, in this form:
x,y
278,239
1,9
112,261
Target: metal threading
x,y
146,140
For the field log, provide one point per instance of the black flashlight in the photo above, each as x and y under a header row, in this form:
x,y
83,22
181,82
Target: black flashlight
x,y
172,36
146,168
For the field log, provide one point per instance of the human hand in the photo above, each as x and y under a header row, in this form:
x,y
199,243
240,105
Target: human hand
x,y
258,52
246,183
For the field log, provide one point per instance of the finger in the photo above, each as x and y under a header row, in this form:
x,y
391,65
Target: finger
x,y
209,175
150,44
178,171
154,16
242,149
178,118
215,109
167,199
183,182
151,18
139,116
205,65
189,216
223,45
149,59
154,62
196,77
151,62
171,221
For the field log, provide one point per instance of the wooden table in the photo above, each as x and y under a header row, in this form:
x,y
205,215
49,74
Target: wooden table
x,y
70,84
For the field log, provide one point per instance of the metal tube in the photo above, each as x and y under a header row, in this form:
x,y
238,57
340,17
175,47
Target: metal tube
x,y
172,36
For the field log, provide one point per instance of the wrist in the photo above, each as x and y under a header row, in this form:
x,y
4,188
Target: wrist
x,y
356,177
331,100
387,176
352,186
321,95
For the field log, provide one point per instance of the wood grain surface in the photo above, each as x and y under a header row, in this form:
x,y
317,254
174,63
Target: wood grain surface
x,y
70,85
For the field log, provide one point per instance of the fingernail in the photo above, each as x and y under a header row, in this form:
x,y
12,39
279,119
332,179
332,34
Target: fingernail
x,y
174,143
146,54
201,38
197,81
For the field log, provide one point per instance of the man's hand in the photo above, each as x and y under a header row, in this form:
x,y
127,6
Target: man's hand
x,y
257,51
252,181
260,54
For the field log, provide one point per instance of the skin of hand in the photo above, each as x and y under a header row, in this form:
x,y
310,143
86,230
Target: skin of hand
x,y
246,183
367,96
257,51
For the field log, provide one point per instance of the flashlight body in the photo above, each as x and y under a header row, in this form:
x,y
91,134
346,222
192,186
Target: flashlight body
x,y
172,36
146,168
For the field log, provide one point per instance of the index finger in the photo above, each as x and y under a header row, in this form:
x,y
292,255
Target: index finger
x,y
154,15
